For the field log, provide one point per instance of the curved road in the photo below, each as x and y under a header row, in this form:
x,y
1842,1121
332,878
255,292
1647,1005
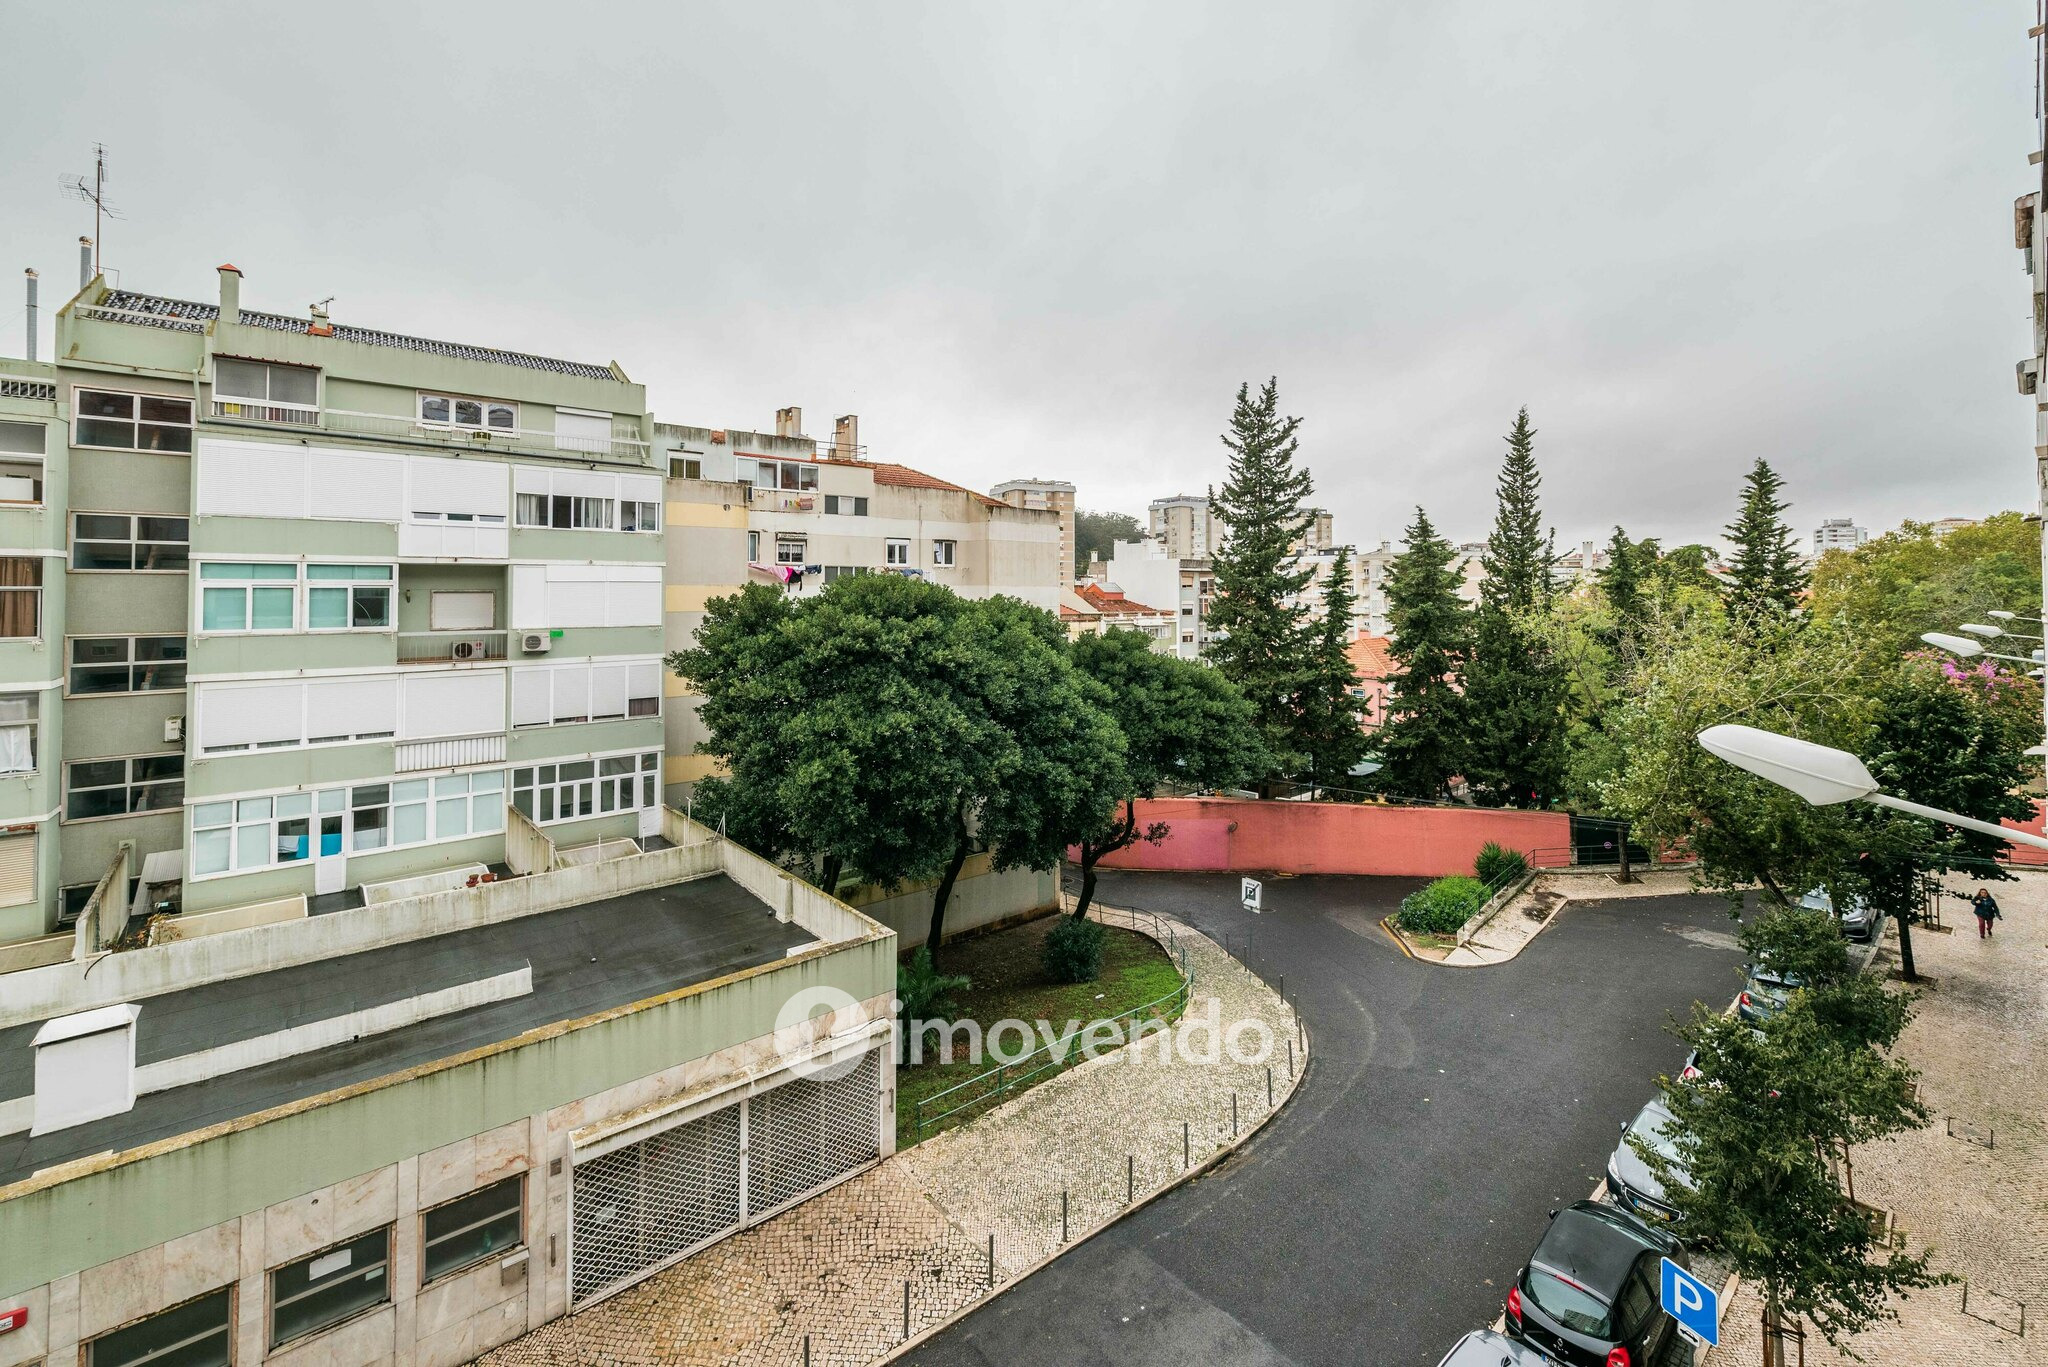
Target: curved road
x,y
1382,1212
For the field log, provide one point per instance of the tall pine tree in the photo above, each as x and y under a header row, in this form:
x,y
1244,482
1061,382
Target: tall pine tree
x,y
1517,690
1260,637
1424,743
1766,578
1621,580
1328,728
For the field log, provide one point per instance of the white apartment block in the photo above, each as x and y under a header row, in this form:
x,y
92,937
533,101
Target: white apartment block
x,y
1838,533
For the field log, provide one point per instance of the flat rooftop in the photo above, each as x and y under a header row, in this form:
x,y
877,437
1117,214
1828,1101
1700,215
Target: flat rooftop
x,y
585,959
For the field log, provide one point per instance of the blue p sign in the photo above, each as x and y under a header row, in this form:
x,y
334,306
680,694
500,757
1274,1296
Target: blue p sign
x,y
1691,1302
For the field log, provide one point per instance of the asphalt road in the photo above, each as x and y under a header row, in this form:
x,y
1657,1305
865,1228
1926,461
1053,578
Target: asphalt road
x,y
1383,1212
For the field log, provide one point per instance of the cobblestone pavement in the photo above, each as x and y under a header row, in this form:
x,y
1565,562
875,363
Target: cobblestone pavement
x,y
835,1268
1980,1042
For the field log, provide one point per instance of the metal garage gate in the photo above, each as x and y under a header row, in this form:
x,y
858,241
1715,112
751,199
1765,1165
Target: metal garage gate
x,y
649,1203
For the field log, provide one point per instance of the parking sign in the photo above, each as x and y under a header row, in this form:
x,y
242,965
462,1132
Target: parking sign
x,y
1690,1301
1249,891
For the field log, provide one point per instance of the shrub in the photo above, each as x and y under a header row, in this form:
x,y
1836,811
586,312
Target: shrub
x,y
1073,950
1497,866
922,992
1442,907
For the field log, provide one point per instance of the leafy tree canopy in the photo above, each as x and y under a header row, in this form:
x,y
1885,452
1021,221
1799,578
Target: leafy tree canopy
x,y
1096,533
1896,586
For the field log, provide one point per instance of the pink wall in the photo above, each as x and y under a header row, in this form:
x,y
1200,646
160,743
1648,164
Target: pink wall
x,y
1336,837
2027,854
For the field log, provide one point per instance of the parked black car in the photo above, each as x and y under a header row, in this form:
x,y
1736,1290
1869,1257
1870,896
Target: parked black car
x,y
1588,1296
1484,1348
1630,1180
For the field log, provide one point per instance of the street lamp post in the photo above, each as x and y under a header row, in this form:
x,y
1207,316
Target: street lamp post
x,y
1970,650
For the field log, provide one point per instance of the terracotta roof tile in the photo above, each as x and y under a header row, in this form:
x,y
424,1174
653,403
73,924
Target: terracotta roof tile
x,y
1114,601
1372,657
904,477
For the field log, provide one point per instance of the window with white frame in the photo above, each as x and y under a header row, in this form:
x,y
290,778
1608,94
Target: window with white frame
x,y
575,790
253,596
126,664
265,391
896,551
116,421
95,788
21,597
592,500
242,834
21,462
18,732
565,511
450,410
789,550
943,552
129,542
638,516
795,476
560,695
685,467
846,505
754,547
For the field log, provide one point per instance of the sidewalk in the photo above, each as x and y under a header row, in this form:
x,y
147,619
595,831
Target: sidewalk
x,y
1980,1042
835,1268
1545,899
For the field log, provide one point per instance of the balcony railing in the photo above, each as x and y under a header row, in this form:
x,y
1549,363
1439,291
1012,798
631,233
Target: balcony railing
x,y
624,445
450,647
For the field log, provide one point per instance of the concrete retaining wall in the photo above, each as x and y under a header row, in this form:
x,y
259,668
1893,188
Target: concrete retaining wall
x,y
1215,834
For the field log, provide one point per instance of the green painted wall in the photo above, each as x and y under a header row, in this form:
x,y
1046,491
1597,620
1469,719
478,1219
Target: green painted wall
x,y
532,543
417,585
220,537
542,743
261,770
89,1220
285,653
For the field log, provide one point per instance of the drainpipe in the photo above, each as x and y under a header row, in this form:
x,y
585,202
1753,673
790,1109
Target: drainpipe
x,y
85,271
30,273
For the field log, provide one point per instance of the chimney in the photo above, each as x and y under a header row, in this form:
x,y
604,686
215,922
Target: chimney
x,y
85,270
789,422
846,436
230,294
30,273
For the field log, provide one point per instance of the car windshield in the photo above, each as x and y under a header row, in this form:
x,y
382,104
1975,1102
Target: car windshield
x,y
1657,1136
1817,900
1565,1301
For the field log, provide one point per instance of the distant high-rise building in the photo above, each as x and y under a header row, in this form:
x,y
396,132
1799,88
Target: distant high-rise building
x,y
1947,525
1838,533
1056,495
1187,525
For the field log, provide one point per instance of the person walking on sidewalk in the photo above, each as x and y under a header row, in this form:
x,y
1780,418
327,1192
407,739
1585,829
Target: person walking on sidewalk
x,y
1986,907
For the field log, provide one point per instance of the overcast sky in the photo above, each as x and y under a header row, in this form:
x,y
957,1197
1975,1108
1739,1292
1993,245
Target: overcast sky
x,y
1038,240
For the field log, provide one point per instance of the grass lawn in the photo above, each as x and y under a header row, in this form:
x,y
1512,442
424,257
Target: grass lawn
x,y
1009,984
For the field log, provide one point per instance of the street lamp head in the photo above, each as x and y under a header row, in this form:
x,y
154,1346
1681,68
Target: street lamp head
x,y
1820,775
2001,614
1981,629
1954,645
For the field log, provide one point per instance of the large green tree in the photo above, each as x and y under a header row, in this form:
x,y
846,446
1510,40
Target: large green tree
x,y
1096,533
1765,575
1516,688
1424,743
1329,727
1182,721
1896,586
1258,631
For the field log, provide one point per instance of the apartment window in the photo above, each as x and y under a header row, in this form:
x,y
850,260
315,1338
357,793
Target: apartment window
x,y
264,832
94,788
469,1229
252,833
896,551
639,517
468,804
21,597
447,410
18,734
198,1333
685,467
124,541
17,869
116,421
846,505
753,547
329,1287
784,474
348,597
243,596
265,392
570,792
837,572
126,664
21,462
560,695
943,552
789,550
565,511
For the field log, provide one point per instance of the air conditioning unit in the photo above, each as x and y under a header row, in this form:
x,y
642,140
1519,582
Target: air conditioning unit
x,y
535,642
471,650
174,730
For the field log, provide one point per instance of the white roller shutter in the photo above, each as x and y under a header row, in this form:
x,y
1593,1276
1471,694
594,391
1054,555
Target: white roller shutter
x,y
357,488
529,597
251,714
461,610
608,690
640,488
531,693
576,596
583,432
352,707
633,597
17,869
644,679
460,704
572,692
248,479
586,484
530,479
456,486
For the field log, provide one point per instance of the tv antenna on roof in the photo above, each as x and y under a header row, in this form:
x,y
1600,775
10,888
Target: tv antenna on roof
x,y
94,192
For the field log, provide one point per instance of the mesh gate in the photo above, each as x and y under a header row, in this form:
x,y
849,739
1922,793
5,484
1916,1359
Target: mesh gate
x,y
640,1206
648,1203
807,1132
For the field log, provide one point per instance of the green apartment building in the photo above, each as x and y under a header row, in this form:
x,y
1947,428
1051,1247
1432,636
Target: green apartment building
x,y
291,611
